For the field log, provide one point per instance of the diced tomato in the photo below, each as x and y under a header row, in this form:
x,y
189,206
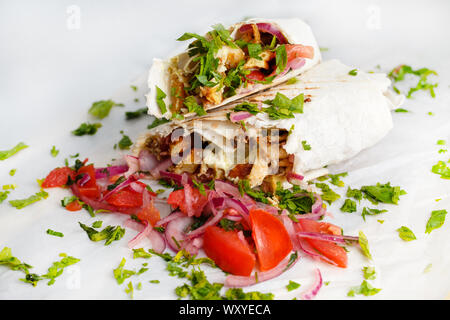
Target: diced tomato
x,y
299,51
74,206
329,249
177,200
228,251
58,177
149,212
256,75
126,197
271,239
90,188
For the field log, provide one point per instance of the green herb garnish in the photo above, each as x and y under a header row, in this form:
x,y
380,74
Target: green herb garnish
x,y
5,154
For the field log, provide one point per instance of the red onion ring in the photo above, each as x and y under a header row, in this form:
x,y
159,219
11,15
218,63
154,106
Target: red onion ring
x,y
265,27
241,281
106,172
174,215
239,116
315,288
176,229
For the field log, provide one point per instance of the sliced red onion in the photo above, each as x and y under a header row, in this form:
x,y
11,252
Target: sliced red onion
x,y
133,165
140,236
315,288
106,172
268,28
122,185
227,189
133,224
328,237
158,241
192,246
177,178
162,166
137,187
309,250
84,179
296,63
239,116
175,229
211,222
239,207
147,161
241,281
174,215
270,209
294,178
289,225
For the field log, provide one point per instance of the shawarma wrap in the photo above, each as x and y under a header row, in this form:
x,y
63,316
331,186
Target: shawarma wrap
x,y
228,64
288,133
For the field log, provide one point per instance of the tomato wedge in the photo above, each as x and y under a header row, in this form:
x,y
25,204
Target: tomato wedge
x,y
228,251
90,188
299,51
271,239
177,200
58,177
125,198
329,249
256,75
74,206
148,212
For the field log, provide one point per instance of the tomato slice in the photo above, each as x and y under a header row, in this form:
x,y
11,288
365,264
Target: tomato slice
x,y
228,251
298,51
256,75
271,239
90,188
74,206
148,212
329,249
58,177
125,198
177,200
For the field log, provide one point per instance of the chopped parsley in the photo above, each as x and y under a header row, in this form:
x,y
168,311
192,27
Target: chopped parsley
x,y
251,108
281,107
97,224
353,72
3,195
87,128
121,274
7,259
292,285
244,188
160,95
100,109
125,143
364,244
441,169
305,145
365,289
349,206
191,103
110,233
54,152
440,142
382,193
157,122
55,233
354,193
335,179
141,253
281,58
5,154
406,234
22,203
371,212
327,193
401,110
369,273
12,172
436,220
129,115
292,81
398,74
134,88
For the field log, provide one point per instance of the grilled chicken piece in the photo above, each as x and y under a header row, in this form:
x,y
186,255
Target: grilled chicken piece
x,y
265,56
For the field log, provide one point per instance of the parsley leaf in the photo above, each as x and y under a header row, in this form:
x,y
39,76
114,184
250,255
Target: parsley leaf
x,y
382,193
436,220
327,193
87,128
306,146
19,204
191,103
353,72
281,107
292,285
349,206
125,143
100,109
110,233
365,289
369,273
281,58
160,95
406,234
364,244
121,274
354,193
129,115
7,259
371,212
54,152
398,74
55,233
157,122
441,169
5,154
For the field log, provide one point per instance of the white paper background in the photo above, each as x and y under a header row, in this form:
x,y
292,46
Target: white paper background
x,y
50,75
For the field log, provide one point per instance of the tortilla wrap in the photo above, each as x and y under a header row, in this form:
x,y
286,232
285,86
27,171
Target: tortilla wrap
x,y
342,115
295,31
